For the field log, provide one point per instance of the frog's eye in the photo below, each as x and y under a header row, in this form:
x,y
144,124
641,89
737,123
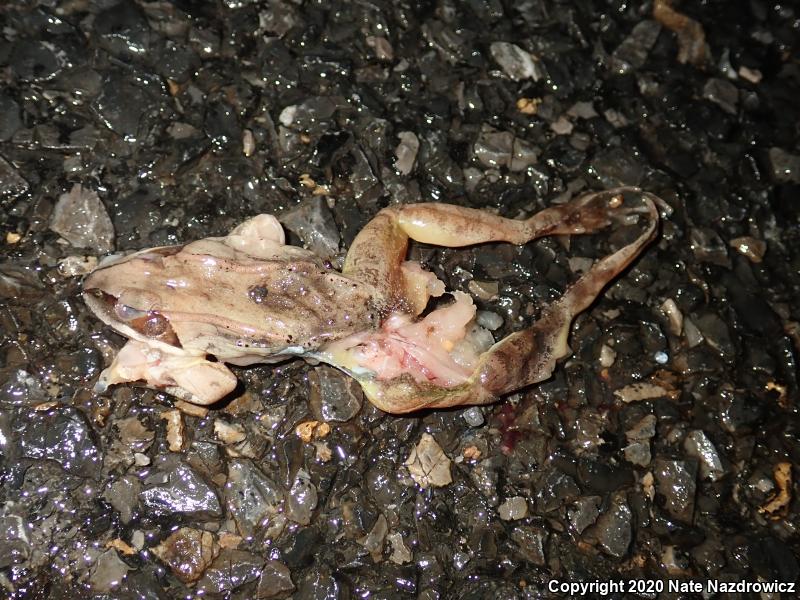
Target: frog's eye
x,y
127,313
155,326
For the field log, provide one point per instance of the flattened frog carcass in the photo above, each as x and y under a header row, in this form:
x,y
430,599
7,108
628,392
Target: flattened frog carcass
x,y
249,298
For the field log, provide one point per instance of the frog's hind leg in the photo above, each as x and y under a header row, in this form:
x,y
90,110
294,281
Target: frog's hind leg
x,y
378,252
529,356
524,357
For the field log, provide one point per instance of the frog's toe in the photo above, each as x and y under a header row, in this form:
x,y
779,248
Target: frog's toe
x,y
191,378
595,211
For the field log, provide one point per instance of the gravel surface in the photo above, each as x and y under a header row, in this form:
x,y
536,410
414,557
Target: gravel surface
x,y
665,449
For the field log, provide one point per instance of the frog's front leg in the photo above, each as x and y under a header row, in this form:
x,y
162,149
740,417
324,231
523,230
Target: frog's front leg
x,y
191,378
524,357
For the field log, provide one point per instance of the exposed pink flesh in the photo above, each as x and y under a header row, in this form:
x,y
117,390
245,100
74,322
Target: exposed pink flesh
x,y
420,285
422,349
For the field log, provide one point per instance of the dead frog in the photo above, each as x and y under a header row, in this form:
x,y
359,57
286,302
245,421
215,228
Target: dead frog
x,y
248,298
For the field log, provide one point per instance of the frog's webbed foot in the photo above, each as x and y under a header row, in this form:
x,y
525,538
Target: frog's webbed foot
x,y
191,378
527,356
586,214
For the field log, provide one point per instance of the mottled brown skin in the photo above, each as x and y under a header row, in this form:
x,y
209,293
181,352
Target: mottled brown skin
x,y
242,301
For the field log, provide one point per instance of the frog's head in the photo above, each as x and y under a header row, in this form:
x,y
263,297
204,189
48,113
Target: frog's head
x,y
121,294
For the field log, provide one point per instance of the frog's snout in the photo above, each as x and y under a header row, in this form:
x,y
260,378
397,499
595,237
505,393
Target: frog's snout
x,y
98,301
